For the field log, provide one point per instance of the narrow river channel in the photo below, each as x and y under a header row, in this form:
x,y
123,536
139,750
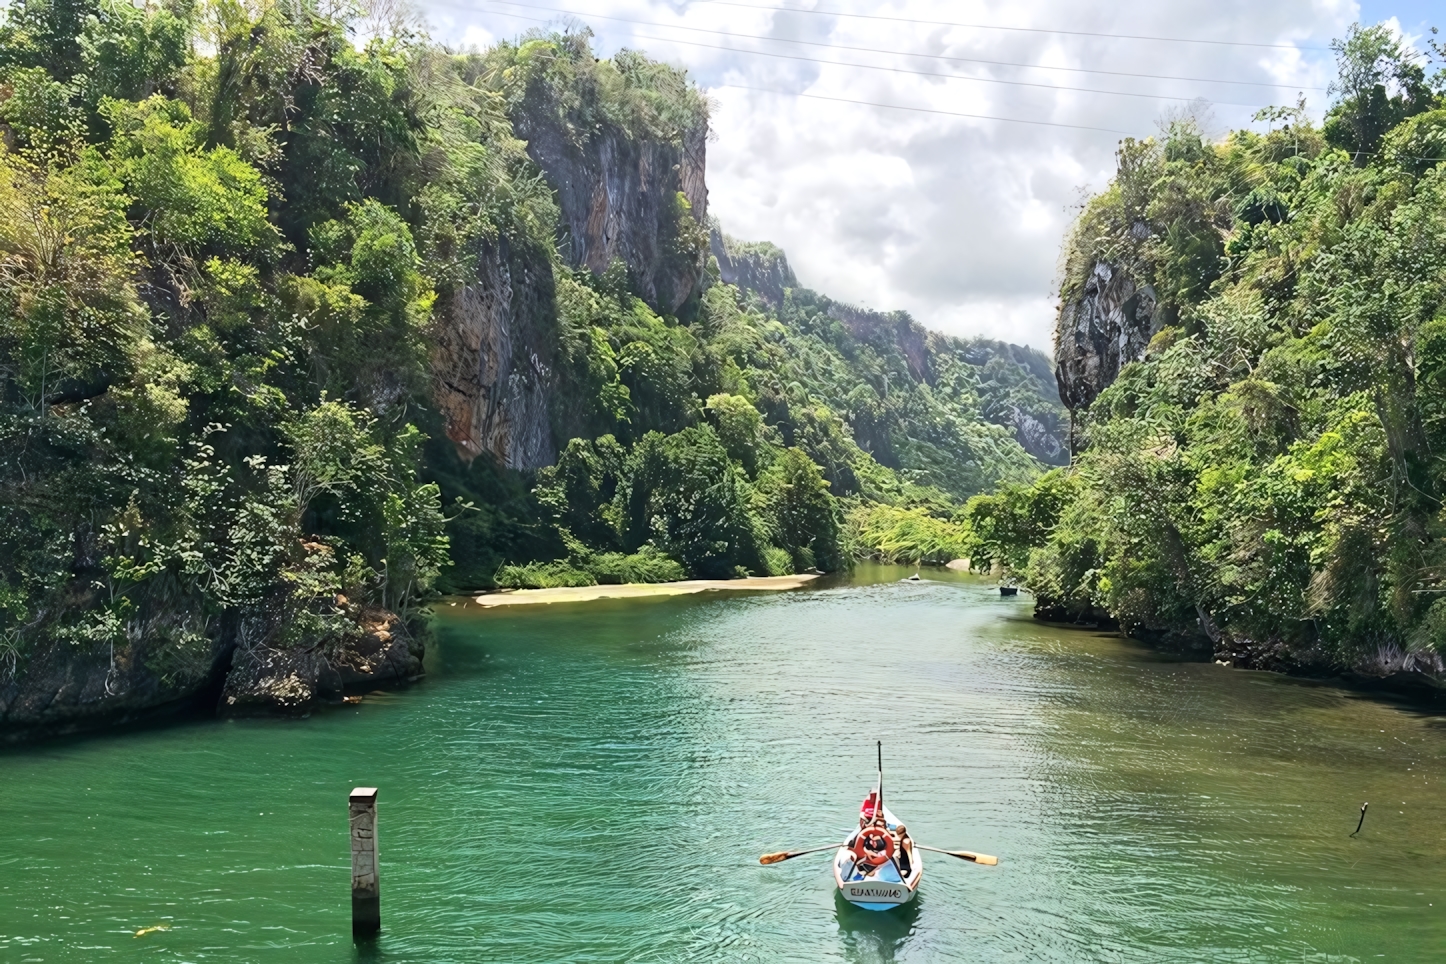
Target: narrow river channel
x,y
595,782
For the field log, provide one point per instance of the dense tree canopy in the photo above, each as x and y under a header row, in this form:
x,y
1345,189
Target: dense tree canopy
x,y
1271,474
225,230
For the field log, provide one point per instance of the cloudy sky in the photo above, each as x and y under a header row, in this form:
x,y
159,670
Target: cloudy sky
x,y
930,154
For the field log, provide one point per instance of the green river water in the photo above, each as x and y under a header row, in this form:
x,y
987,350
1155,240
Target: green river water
x,y
594,782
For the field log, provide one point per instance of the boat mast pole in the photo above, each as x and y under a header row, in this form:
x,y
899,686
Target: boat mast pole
x,y
879,803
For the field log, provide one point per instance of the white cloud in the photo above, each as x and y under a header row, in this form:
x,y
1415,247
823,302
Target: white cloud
x,y
957,220
475,35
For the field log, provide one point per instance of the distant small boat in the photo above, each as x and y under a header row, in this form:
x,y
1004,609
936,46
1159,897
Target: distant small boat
x,y
1008,590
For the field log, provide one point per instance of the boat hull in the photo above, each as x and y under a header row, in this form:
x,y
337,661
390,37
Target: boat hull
x,y
875,896
874,892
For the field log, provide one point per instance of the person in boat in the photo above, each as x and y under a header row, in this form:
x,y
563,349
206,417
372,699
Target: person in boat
x,y
903,850
866,812
873,852
878,823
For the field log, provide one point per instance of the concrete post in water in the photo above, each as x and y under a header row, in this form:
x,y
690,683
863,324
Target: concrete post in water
x,y
366,898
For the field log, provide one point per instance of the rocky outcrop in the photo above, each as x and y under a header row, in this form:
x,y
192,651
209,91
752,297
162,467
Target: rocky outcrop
x,y
620,200
64,688
492,350
895,330
759,267
266,681
385,650
1036,438
1105,327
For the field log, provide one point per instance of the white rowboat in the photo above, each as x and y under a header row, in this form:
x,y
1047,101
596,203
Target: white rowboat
x,y
879,882
879,866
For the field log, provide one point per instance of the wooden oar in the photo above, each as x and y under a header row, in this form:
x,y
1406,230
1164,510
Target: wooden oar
x,y
783,855
968,855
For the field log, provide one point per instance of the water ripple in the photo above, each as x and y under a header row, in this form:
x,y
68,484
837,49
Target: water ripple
x,y
595,782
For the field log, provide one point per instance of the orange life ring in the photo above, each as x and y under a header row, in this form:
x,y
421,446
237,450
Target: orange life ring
x,y
877,854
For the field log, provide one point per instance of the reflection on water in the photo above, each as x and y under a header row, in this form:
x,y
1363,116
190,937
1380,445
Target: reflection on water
x,y
876,937
638,756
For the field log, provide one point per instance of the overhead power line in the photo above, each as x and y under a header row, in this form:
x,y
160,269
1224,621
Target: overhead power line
x,y
906,70
866,103
930,110
870,103
986,26
899,53
935,73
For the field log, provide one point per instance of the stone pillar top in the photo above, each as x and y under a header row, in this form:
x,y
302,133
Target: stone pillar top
x,y
364,795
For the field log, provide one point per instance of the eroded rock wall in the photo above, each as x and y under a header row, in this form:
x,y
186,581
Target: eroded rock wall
x,y
492,359
495,339
760,267
1037,438
1107,326
66,688
619,200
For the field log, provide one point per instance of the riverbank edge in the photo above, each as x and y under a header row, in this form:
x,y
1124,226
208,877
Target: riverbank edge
x,y
636,590
261,682
1413,688
370,669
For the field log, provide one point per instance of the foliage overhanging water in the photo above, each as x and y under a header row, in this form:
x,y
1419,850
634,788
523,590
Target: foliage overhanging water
x,y
595,783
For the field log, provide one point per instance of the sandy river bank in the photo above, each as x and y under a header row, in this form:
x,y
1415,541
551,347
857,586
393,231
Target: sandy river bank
x,y
532,597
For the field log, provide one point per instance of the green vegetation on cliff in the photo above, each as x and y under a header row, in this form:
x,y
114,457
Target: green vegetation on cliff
x,y
213,330
243,263
706,437
1270,473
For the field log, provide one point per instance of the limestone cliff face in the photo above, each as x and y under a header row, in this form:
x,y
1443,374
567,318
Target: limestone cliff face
x,y
495,339
895,328
1038,439
1105,327
619,199
759,267
492,350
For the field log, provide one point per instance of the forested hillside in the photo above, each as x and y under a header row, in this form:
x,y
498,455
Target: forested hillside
x,y
297,332
1253,339
848,432
930,392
